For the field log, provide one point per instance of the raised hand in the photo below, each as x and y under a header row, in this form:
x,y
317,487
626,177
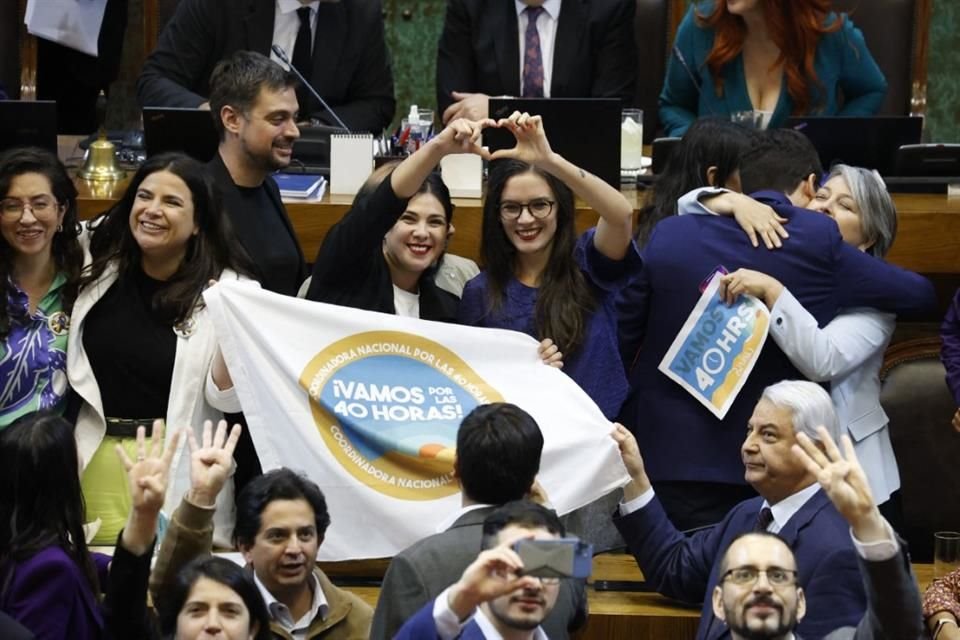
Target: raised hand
x,y
147,476
632,460
211,461
844,481
463,136
494,573
532,145
147,479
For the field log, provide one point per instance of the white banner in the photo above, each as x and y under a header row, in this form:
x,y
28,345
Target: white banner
x,y
368,406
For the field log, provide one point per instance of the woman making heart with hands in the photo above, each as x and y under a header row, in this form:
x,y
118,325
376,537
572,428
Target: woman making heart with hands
x,y
539,277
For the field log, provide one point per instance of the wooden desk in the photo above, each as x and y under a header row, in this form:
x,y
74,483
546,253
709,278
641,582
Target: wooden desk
x,y
928,240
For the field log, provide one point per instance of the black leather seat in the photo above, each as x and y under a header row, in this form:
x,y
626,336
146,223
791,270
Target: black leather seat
x,y
920,407
652,32
891,29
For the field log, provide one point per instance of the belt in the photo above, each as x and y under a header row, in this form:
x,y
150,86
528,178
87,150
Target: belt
x,y
126,427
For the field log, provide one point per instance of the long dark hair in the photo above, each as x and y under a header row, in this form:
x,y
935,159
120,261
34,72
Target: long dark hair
x,y
65,249
708,142
227,573
564,300
41,504
209,252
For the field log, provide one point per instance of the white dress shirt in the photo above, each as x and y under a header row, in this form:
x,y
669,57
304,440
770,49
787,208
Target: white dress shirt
x,y
286,24
547,28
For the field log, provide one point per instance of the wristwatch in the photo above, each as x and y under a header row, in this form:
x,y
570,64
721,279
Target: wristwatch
x,y
940,624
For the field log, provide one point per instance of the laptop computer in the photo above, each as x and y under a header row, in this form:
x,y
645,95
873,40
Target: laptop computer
x,y
28,123
585,131
863,142
173,129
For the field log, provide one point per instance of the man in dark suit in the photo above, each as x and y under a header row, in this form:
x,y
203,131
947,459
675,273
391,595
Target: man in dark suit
x,y
344,54
493,599
791,504
701,482
570,49
758,596
498,457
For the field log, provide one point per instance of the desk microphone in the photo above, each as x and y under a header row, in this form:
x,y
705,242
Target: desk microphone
x,y
277,49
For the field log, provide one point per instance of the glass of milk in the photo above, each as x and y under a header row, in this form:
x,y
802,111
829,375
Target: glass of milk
x,y
631,139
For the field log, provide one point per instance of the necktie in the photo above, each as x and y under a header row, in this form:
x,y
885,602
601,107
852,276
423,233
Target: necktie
x,y
303,57
532,59
764,518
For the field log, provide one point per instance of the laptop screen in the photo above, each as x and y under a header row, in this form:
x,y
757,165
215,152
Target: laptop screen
x,y
188,130
862,142
585,131
28,123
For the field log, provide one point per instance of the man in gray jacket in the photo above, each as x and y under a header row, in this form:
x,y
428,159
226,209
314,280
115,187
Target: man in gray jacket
x,y
498,457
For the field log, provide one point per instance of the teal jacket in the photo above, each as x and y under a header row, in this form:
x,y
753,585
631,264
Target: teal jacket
x,y
852,82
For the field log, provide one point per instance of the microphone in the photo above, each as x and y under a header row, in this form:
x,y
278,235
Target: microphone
x,y
277,49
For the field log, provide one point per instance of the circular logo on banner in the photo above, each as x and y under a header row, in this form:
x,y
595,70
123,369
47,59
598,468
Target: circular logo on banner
x,y
388,405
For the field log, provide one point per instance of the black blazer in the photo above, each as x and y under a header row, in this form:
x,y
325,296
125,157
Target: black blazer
x,y
594,54
351,67
249,238
350,269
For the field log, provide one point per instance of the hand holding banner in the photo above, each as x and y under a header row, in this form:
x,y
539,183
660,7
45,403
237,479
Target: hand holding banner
x,y
368,406
717,348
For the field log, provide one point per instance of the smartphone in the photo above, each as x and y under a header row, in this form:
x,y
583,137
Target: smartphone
x,y
556,558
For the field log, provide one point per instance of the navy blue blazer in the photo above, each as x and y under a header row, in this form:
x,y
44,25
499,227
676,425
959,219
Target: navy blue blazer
x,y
422,627
680,439
686,568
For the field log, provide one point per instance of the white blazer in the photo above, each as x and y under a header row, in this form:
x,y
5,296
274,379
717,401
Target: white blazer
x,y
187,405
848,353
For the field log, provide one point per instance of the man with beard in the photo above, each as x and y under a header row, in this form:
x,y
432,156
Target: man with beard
x,y
254,105
493,599
758,597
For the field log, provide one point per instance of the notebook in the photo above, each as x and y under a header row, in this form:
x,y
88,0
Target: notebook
x,y
300,185
351,162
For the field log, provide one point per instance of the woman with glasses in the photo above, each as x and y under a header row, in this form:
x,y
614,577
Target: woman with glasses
x,y
40,262
539,277
382,255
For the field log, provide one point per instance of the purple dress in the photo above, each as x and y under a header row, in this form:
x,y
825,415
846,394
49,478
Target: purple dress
x,y
950,352
596,366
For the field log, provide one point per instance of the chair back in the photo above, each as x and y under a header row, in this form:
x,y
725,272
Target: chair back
x,y
920,407
654,26
896,32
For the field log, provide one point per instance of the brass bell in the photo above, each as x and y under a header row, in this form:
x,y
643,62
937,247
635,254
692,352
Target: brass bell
x,y
101,163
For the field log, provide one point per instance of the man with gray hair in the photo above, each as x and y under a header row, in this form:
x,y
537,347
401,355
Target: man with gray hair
x,y
791,505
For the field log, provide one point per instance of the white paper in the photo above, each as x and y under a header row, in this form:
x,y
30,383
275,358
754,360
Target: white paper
x,y
72,23
463,175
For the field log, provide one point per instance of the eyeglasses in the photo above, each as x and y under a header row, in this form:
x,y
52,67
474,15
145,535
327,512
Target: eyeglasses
x,y
539,208
13,208
776,576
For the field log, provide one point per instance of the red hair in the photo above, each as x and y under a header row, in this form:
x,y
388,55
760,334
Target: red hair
x,y
795,26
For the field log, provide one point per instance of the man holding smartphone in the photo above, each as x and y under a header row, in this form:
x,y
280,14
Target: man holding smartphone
x,y
494,598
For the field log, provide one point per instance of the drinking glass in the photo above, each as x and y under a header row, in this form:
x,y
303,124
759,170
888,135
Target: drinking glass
x,y
631,139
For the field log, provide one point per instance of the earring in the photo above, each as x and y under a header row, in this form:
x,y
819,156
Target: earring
x,y
59,227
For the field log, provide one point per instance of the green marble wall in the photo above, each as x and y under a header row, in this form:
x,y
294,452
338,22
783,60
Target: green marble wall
x,y
943,73
412,40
